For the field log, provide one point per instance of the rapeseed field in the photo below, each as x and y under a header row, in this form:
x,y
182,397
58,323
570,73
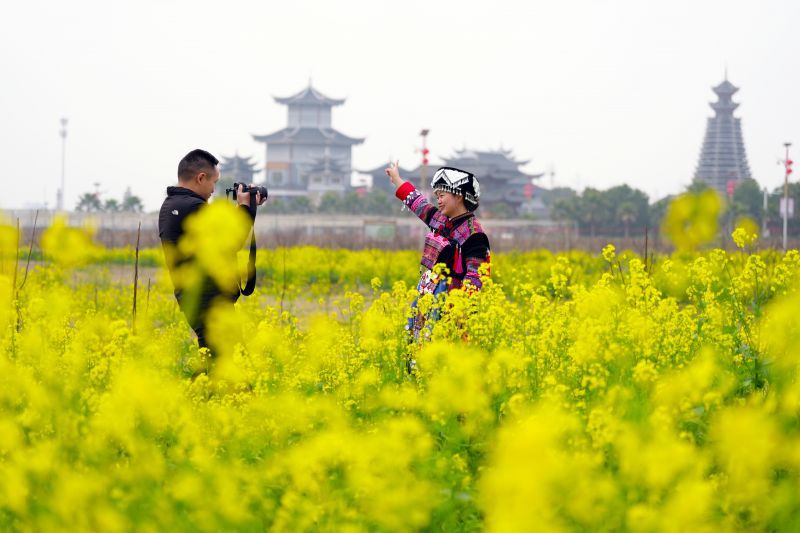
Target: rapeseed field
x,y
575,392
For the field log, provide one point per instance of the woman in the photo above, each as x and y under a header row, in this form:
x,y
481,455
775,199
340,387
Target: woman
x,y
456,238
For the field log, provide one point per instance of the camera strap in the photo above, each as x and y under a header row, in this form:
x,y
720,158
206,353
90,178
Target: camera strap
x,y
250,285
251,267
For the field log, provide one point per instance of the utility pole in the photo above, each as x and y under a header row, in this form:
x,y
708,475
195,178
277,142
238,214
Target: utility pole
x,y
60,197
787,165
423,175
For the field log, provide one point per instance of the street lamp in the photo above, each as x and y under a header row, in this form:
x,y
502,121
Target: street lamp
x,y
60,198
787,164
423,175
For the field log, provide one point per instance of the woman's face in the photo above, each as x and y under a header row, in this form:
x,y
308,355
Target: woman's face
x,y
450,204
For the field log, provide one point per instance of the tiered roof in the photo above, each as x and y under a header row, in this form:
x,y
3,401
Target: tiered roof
x,y
310,136
722,156
331,165
236,164
499,164
239,168
724,104
317,134
498,172
309,96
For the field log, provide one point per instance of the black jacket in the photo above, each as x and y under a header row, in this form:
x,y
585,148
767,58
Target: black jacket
x,y
179,204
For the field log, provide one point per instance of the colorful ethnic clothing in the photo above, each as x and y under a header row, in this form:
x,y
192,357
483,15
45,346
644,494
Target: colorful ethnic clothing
x,y
459,243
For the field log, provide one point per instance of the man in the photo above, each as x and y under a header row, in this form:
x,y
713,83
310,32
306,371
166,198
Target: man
x,y
195,290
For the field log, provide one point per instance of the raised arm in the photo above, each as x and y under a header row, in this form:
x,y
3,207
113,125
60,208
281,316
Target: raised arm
x,y
410,196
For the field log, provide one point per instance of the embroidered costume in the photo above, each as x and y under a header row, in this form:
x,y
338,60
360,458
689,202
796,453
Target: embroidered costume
x,y
459,243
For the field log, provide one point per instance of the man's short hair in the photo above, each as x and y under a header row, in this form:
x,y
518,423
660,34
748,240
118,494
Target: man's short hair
x,y
195,162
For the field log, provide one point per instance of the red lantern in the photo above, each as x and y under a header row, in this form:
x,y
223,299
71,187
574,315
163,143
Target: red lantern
x,y
731,187
528,190
424,160
789,163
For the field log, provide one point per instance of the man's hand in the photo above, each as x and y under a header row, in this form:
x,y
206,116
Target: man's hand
x,y
243,198
394,174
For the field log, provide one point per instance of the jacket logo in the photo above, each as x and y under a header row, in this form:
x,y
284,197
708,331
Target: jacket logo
x,y
174,211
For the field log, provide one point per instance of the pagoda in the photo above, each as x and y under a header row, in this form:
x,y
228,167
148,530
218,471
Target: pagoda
x,y
308,157
240,169
722,157
498,172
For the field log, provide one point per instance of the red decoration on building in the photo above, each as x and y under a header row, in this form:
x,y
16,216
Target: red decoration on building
x,y
528,190
424,152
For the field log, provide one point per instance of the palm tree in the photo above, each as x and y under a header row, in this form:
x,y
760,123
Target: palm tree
x,y
566,209
131,202
111,205
593,209
626,213
89,201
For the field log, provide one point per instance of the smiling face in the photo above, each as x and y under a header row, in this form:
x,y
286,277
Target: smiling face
x,y
451,205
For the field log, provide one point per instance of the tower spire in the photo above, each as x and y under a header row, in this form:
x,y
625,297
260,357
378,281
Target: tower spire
x,y
723,161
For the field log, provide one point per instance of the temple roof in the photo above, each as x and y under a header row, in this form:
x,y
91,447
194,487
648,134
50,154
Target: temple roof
x,y
725,88
332,165
413,174
307,96
492,165
231,164
499,158
485,165
504,186
308,136
724,106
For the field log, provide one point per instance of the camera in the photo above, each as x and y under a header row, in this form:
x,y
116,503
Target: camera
x,y
246,188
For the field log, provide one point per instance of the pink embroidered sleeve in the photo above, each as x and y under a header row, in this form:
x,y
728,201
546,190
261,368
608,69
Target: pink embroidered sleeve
x,y
416,202
472,276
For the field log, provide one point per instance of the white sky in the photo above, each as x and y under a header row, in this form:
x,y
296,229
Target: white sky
x,y
602,92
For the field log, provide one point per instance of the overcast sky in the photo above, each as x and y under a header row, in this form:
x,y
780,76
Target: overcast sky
x,y
600,92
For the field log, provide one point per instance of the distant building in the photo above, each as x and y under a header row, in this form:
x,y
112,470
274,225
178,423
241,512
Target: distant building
x,y
722,157
504,187
308,157
240,169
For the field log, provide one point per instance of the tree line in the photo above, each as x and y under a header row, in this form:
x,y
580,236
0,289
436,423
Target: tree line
x,y
626,211
91,202
620,211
